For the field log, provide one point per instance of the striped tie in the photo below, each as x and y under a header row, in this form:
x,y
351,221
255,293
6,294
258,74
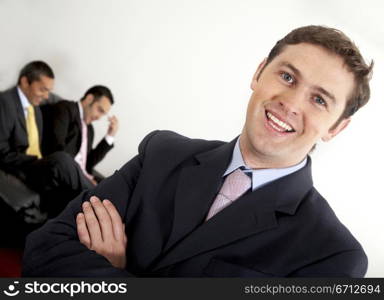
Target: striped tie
x,y
235,185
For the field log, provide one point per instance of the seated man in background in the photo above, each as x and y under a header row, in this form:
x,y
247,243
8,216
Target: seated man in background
x,y
55,177
248,208
69,128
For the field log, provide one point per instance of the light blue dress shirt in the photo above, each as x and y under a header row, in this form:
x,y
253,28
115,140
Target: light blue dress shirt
x,y
260,177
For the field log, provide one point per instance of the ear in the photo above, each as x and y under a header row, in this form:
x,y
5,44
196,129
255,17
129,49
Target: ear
x,y
88,99
257,74
336,130
24,82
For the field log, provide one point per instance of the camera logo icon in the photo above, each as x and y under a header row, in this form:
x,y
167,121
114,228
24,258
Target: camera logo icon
x,y
12,291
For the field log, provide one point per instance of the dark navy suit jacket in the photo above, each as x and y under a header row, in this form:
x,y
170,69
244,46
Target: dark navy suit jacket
x,y
284,229
13,132
62,132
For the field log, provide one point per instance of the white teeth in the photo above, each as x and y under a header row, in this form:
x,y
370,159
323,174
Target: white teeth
x,y
278,122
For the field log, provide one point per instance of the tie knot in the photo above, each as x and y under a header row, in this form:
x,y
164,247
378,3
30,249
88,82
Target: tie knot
x,y
236,184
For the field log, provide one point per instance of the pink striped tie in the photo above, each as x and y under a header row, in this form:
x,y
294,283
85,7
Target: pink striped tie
x,y
235,185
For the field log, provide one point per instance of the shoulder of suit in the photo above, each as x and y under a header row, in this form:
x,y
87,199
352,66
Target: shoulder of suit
x,y
66,103
9,97
173,147
66,106
9,94
168,140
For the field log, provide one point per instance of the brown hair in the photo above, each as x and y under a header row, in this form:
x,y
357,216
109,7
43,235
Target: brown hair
x,y
338,43
34,70
99,91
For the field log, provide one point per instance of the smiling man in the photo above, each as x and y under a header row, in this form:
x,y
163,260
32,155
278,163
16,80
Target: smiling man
x,y
192,208
297,100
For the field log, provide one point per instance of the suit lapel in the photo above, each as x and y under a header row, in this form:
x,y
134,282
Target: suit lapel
x,y
39,123
19,109
251,214
22,118
78,125
76,113
196,190
90,135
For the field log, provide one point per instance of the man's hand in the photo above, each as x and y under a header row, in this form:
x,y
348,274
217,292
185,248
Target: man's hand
x,y
94,182
100,229
91,178
113,125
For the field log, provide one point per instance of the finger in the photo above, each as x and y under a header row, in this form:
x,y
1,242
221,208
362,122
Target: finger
x,y
116,220
112,125
82,230
92,224
104,218
114,120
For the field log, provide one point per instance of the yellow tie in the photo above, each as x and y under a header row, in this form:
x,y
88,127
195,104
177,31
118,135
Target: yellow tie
x,y
33,134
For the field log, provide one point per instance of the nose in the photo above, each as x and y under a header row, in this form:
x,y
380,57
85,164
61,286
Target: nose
x,y
292,102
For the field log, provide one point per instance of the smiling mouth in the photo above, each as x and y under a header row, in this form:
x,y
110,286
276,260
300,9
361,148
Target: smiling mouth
x,y
278,124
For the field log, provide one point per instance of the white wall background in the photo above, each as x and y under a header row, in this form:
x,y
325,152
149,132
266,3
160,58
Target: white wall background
x,y
186,66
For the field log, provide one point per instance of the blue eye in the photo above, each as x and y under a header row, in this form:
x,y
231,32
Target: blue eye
x,y
287,77
320,101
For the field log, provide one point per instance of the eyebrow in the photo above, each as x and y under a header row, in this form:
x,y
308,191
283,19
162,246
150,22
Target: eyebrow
x,y
319,89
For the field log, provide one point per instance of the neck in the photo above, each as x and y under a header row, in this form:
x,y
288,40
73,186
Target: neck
x,y
257,160
25,93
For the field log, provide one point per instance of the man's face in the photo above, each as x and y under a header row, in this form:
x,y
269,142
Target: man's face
x,y
296,100
37,90
94,110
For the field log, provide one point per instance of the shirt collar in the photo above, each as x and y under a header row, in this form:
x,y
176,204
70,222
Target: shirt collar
x,y
262,176
23,99
81,111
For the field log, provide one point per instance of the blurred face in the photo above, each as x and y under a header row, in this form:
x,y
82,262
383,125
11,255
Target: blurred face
x,y
94,110
38,90
296,100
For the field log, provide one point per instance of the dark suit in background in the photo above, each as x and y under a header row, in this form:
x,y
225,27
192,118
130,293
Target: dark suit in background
x,y
13,133
52,176
285,228
63,133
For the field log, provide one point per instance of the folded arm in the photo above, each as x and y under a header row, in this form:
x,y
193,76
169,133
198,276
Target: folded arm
x,y
55,249
353,263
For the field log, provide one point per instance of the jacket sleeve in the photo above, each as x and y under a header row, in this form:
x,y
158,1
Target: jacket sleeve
x,y
353,263
97,154
54,250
